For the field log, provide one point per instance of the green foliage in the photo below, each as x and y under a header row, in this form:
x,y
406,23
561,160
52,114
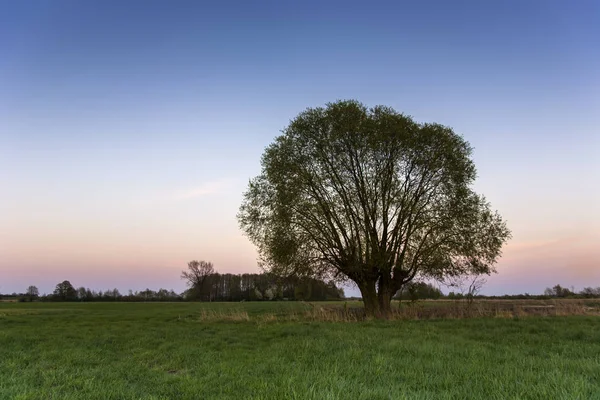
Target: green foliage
x,y
265,286
32,293
83,294
562,292
455,296
103,351
418,291
303,291
590,292
64,291
369,195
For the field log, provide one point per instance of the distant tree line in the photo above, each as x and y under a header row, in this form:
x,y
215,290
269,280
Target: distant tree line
x,y
256,287
418,291
207,285
559,291
65,291
423,291
555,292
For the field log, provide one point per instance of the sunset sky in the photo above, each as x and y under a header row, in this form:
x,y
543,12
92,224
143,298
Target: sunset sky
x,y
129,129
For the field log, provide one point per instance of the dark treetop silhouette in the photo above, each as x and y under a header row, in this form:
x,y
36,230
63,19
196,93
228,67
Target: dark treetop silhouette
x,y
368,195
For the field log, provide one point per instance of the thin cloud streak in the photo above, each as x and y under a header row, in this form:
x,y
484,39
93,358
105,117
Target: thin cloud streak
x,y
207,189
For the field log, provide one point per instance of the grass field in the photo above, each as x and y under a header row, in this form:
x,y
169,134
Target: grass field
x,y
255,351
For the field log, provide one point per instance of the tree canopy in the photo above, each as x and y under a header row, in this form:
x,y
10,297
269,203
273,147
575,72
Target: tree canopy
x,y
32,292
65,291
369,195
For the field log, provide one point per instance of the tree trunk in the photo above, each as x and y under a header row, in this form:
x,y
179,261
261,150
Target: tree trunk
x,y
370,301
385,304
384,297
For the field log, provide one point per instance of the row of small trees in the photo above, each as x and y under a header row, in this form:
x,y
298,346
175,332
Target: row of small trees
x,y
65,291
207,285
563,292
418,291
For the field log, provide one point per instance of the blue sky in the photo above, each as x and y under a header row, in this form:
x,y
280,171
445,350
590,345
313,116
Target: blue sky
x,y
130,128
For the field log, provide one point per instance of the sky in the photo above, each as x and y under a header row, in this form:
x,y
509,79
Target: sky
x,y
130,129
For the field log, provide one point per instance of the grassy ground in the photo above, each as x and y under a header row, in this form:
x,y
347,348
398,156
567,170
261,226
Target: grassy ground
x,y
173,351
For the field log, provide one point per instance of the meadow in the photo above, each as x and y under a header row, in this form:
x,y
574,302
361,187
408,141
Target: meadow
x,y
293,350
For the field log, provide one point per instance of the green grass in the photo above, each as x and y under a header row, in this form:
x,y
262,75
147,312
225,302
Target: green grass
x,y
166,351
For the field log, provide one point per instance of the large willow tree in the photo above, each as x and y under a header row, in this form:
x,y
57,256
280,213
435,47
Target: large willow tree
x,y
369,195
